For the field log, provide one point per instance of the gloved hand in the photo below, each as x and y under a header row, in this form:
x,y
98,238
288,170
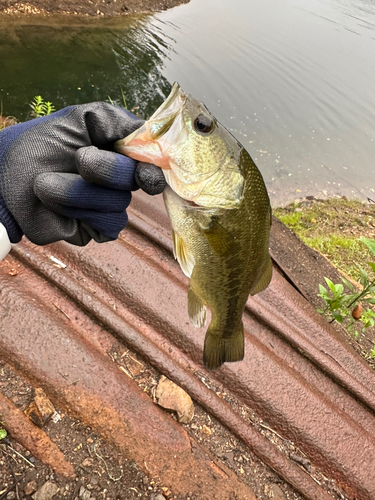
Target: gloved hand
x,y
60,179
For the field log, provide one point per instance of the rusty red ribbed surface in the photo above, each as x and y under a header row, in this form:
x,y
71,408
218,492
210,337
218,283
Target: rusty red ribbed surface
x,y
298,374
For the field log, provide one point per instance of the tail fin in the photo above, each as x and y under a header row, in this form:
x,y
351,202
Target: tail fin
x,y
219,349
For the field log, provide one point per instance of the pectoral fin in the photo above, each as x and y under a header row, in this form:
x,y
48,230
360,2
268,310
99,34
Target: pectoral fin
x,y
196,309
218,237
264,280
181,253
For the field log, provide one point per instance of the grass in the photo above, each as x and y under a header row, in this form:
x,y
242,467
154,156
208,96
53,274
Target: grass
x,y
333,227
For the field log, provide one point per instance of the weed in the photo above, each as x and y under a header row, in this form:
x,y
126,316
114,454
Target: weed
x,y
40,107
3,432
355,305
123,100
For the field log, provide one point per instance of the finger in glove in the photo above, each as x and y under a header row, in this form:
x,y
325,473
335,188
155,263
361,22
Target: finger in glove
x,y
107,224
150,178
106,168
57,188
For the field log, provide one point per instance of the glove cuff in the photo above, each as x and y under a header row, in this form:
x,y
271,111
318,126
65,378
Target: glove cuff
x,y
4,242
14,231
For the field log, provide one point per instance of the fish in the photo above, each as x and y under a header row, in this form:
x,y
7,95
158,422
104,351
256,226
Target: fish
x,y
220,214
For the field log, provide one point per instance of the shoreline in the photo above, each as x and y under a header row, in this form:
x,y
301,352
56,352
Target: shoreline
x,y
92,8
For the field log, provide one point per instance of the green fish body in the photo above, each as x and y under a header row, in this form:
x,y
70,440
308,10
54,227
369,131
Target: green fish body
x,y
220,215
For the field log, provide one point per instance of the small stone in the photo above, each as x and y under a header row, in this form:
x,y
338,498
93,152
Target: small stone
x,y
30,488
171,397
46,492
206,430
41,409
87,462
277,492
305,462
84,494
160,497
11,495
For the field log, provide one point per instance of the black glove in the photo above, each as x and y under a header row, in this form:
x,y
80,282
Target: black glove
x,y
60,179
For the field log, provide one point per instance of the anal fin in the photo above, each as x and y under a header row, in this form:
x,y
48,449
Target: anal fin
x,y
264,280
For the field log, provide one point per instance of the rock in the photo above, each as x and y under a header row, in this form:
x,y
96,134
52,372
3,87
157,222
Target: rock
x,y
277,492
84,494
206,430
30,488
11,495
41,409
87,462
171,397
160,497
46,492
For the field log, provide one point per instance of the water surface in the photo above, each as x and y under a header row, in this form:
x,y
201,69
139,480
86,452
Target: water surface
x,y
294,80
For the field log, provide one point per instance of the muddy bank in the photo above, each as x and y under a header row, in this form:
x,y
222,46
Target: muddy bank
x,y
86,7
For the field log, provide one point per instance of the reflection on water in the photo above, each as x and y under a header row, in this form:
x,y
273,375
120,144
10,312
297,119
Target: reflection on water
x,y
294,80
77,63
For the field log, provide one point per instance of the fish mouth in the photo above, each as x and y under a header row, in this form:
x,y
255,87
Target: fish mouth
x,y
142,144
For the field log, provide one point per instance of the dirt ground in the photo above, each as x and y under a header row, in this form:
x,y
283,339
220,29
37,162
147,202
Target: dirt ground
x,y
86,7
104,474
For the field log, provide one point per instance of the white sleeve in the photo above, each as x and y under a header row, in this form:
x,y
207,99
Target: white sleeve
x,y
4,242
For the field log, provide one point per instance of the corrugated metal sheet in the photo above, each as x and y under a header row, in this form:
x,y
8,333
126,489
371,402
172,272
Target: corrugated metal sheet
x,y
298,373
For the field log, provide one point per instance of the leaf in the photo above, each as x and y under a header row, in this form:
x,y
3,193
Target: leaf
x,y
369,243
3,434
372,265
369,300
364,277
339,289
337,316
348,284
330,284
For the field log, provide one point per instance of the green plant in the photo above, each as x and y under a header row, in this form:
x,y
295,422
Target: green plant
x,y
40,107
355,305
123,100
3,432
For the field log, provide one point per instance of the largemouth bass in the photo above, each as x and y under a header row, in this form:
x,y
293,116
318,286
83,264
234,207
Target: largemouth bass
x,y
220,214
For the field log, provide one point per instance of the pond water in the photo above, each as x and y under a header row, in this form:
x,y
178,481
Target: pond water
x,y
294,80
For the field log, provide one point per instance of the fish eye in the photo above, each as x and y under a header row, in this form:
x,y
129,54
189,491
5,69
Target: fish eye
x,y
203,124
